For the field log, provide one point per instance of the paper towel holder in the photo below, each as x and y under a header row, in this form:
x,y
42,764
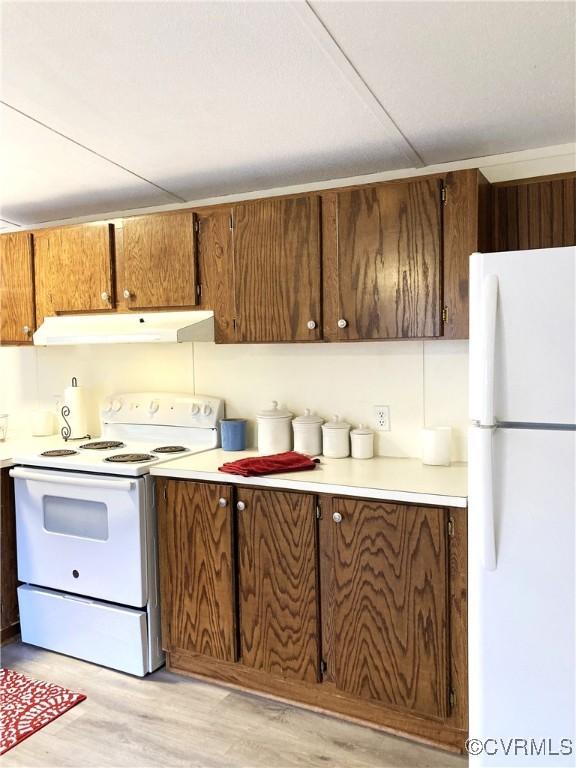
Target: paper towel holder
x,y
66,430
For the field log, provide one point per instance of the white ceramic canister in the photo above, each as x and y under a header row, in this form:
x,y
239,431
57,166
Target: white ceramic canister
x,y
274,430
362,439
308,434
43,423
336,438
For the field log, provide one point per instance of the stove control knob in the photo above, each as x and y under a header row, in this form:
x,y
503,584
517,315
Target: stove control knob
x,y
153,407
207,410
107,406
116,405
195,409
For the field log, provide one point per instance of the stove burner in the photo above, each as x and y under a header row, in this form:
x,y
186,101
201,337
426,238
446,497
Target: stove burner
x,y
129,458
103,445
59,452
169,449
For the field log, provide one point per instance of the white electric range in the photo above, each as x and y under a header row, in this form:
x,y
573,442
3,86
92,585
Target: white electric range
x,y
86,529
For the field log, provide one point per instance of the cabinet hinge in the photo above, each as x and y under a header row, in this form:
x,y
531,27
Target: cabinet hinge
x,y
443,194
231,221
451,698
323,667
450,526
199,290
444,314
164,492
234,323
318,512
196,225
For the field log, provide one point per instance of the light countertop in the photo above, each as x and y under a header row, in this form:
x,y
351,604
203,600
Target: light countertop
x,y
405,480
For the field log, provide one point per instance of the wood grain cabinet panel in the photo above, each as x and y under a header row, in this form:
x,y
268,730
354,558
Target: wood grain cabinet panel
x,y
159,261
278,595
535,213
8,569
277,270
197,568
73,269
17,320
391,605
215,271
389,261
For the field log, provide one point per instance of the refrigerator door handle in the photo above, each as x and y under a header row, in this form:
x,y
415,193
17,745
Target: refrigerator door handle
x,y
485,498
488,331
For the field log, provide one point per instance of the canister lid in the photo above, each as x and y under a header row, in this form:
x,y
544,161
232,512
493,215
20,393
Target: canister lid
x,y
336,423
274,412
362,430
307,418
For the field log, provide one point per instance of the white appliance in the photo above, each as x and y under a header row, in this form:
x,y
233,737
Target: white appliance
x,y
86,530
126,328
522,508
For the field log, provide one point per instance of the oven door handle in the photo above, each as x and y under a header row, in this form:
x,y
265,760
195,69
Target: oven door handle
x,y
90,482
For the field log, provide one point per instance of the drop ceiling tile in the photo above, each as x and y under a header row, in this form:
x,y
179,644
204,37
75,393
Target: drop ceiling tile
x,y
465,79
45,177
201,98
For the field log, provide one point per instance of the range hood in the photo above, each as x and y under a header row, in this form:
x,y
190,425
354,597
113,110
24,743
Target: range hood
x,y
125,328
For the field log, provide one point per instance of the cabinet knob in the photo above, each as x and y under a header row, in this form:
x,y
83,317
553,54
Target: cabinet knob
x,y
105,296
337,517
342,323
127,293
240,506
26,330
222,502
311,324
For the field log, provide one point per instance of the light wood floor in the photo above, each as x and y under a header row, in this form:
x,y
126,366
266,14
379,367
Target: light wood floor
x,y
166,720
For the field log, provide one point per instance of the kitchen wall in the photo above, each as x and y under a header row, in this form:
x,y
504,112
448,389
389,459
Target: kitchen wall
x,y
424,383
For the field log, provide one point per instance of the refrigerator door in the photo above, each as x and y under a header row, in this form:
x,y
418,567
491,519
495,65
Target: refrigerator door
x,y
523,336
521,603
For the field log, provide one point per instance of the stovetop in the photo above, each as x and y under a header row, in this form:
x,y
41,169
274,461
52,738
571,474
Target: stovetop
x,y
138,431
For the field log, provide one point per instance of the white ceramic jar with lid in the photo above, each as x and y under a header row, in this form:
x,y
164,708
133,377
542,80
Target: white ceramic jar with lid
x,y
308,434
336,438
362,439
274,431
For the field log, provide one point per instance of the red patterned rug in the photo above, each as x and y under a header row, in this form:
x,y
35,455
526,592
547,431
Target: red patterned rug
x,y
28,705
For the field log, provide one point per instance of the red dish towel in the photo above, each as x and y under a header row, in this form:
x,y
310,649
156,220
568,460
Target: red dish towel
x,y
269,465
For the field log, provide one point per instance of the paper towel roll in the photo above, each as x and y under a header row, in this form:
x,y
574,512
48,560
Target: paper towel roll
x,y
437,445
75,398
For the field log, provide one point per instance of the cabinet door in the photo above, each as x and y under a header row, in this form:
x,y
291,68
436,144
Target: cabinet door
x,y
277,270
73,269
215,271
391,604
159,261
388,278
197,568
278,583
17,320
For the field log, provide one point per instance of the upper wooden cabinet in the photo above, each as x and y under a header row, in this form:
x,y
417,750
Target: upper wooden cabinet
x,y
17,320
73,269
157,261
215,272
196,568
276,246
391,631
384,265
535,213
278,597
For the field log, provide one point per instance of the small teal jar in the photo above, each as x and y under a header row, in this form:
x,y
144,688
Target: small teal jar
x,y
233,434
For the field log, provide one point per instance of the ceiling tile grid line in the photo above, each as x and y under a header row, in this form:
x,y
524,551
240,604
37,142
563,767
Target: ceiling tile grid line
x,y
332,48
93,151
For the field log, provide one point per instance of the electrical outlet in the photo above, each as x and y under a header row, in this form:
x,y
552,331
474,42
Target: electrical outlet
x,y
382,417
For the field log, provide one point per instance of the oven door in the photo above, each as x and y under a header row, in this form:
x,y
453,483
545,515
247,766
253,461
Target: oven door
x,y
82,533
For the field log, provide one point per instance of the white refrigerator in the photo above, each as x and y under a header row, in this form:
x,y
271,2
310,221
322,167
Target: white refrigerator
x,y
522,508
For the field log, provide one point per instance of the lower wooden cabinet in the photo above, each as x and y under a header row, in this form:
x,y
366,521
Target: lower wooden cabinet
x,y
277,556
9,625
350,606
